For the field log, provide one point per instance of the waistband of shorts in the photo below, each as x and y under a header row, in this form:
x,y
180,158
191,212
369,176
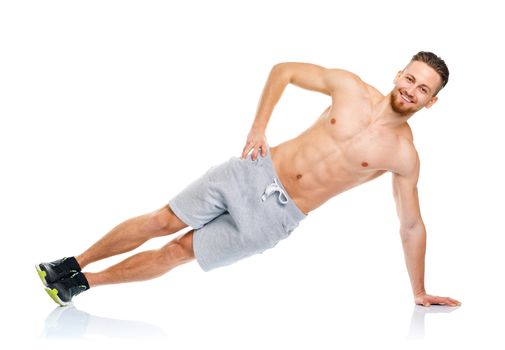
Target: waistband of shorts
x,y
294,212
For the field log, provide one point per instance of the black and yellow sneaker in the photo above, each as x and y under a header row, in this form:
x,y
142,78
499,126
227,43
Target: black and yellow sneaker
x,y
53,271
65,289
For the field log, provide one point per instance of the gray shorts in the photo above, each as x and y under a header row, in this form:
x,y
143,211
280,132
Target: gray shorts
x,y
238,208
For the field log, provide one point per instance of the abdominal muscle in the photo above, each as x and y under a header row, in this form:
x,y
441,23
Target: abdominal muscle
x,y
316,166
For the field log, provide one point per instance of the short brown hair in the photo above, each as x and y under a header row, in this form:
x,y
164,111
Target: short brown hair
x,y
434,62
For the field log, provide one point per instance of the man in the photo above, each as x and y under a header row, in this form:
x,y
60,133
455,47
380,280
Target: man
x,y
248,204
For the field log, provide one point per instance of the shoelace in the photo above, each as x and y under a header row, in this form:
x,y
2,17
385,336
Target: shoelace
x,y
72,285
272,188
59,266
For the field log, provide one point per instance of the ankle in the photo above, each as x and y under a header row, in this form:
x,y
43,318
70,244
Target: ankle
x,y
91,278
81,261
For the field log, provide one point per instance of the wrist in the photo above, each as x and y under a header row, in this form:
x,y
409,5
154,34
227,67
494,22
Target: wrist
x,y
419,293
258,128
259,122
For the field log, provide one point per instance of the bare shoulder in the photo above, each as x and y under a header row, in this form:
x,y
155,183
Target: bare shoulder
x,y
408,163
375,94
407,133
340,79
342,74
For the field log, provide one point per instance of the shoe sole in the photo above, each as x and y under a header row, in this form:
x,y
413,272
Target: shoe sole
x,y
53,293
42,274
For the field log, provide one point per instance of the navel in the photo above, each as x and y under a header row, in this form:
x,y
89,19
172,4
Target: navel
x,y
333,120
364,164
299,176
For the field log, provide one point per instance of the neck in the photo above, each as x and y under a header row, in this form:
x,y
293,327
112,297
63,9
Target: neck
x,y
386,116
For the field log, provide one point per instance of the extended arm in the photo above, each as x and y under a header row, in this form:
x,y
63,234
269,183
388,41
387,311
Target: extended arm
x,y
305,75
413,231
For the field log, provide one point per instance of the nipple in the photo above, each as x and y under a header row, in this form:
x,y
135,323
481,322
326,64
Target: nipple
x,y
364,164
333,120
299,176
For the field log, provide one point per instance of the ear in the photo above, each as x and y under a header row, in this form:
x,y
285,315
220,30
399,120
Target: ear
x,y
431,102
398,75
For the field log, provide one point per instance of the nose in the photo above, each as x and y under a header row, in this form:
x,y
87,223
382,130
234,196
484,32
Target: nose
x,y
410,91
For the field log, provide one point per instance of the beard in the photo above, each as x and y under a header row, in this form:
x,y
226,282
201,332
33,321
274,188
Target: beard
x,y
400,106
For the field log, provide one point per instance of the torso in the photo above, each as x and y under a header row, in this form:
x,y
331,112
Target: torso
x,y
344,148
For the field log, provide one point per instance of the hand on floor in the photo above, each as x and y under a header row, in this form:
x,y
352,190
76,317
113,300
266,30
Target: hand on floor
x,y
428,300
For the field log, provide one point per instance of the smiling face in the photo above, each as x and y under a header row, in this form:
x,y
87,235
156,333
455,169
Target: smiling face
x,y
415,88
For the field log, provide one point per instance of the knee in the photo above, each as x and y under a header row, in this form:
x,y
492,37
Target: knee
x,y
162,222
178,250
158,221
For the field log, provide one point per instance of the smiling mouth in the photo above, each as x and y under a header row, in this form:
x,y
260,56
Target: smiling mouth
x,y
405,98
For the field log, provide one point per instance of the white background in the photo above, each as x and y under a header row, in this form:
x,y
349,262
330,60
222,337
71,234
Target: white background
x,y
110,108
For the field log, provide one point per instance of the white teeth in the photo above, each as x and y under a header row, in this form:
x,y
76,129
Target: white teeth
x,y
406,99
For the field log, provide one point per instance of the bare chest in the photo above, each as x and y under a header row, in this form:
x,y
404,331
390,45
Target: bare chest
x,y
341,150
358,145
366,151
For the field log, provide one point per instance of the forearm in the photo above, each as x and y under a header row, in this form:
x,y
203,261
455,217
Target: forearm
x,y
414,248
274,87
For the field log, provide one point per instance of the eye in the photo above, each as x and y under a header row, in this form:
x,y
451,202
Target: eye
x,y
409,79
424,90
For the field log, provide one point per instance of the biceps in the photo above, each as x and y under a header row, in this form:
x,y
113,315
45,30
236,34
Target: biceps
x,y
309,76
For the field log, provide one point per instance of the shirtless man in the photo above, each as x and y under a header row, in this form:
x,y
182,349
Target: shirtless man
x,y
246,205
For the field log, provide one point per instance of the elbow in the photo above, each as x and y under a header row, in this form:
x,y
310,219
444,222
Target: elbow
x,y
415,230
281,71
279,66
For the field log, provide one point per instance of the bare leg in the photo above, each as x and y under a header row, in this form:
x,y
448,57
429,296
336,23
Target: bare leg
x,y
131,234
147,265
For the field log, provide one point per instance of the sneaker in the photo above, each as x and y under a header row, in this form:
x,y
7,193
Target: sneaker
x,y
65,289
56,270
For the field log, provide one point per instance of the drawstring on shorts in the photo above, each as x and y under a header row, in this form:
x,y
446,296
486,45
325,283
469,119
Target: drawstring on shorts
x,y
273,188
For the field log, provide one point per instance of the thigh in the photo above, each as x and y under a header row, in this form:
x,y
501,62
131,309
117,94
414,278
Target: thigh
x,y
206,197
222,242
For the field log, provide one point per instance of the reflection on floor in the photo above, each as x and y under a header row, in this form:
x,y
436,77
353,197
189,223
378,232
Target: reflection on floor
x,y
416,330
71,323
